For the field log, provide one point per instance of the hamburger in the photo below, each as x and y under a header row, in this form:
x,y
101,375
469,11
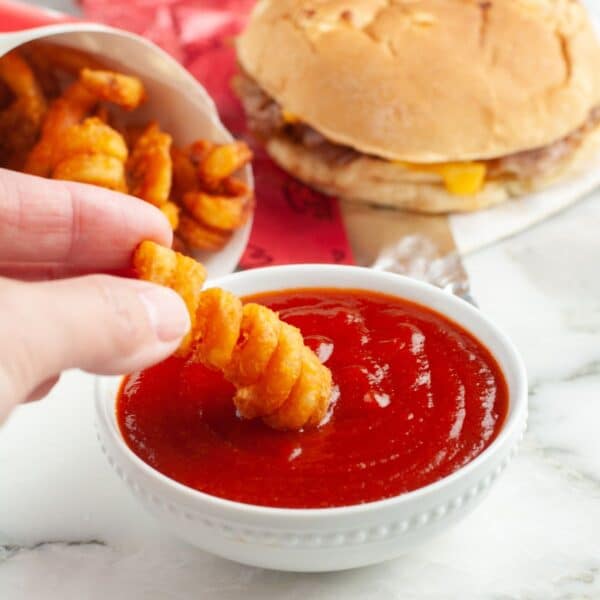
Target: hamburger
x,y
428,105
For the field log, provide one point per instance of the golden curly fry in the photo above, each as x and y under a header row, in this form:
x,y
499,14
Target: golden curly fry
x,y
21,120
171,211
277,380
73,106
123,90
198,236
259,336
19,78
64,112
91,136
183,274
96,169
218,321
277,377
150,169
309,399
155,263
219,212
222,161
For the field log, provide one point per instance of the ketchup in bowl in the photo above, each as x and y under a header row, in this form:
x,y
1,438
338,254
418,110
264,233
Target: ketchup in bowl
x,y
416,398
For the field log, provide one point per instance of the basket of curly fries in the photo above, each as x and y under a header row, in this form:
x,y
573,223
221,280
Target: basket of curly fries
x,y
70,114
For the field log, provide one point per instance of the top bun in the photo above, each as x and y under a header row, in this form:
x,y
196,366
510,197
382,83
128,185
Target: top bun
x,y
428,80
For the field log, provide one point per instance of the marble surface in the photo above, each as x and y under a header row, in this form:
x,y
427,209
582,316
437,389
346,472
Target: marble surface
x,y
69,529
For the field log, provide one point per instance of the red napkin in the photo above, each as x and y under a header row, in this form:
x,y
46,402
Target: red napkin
x,y
292,223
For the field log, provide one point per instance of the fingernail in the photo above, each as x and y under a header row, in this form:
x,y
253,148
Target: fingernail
x,y
166,312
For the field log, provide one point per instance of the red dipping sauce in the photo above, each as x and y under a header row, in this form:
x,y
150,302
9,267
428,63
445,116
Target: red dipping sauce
x,y
417,398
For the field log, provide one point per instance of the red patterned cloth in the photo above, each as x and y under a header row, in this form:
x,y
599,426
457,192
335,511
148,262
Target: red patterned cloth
x,y
292,223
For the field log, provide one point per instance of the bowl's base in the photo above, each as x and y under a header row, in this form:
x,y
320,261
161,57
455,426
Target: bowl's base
x,y
308,552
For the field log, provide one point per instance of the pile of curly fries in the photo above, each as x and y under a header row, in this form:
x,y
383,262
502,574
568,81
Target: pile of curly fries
x,y
64,116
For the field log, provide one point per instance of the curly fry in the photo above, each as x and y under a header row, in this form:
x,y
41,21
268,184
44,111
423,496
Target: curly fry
x,y
150,168
20,122
277,380
123,90
171,211
64,112
196,235
218,321
259,336
220,162
72,107
96,169
220,212
309,399
91,136
277,377
155,263
19,77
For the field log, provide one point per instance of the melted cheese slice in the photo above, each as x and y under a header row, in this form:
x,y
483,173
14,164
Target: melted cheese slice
x,y
289,117
460,178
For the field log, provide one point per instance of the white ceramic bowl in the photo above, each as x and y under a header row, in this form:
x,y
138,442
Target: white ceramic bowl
x,y
334,538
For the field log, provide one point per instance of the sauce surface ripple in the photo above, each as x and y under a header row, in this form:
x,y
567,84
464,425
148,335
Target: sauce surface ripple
x,y
417,397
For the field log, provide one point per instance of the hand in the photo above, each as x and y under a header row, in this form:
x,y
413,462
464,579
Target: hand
x,y
51,230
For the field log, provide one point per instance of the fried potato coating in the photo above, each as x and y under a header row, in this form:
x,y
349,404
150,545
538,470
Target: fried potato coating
x,y
258,339
73,106
125,91
219,212
277,380
182,274
64,112
150,169
309,399
218,321
91,136
222,161
19,78
210,215
276,376
21,119
198,236
153,262
96,169
171,211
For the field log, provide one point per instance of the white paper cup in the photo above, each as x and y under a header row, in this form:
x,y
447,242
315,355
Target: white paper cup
x,y
175,99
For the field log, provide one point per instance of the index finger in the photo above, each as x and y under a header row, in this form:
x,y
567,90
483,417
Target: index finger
x,y
72,224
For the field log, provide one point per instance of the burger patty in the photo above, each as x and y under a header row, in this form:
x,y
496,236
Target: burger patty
x,y
266,119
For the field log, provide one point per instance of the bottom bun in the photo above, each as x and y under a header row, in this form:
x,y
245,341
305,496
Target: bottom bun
x,y
370,180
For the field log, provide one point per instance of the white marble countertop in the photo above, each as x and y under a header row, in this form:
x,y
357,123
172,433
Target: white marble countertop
x,y
70,530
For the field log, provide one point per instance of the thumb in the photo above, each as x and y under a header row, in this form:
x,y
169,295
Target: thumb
x,y
98,323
